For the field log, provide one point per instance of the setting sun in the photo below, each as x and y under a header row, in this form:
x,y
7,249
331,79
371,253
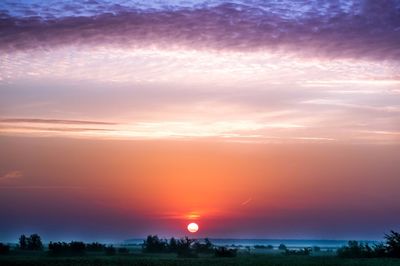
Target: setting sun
x,y
192,227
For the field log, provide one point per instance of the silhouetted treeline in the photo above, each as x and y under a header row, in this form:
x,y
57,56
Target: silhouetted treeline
x,y
80,248
184,247
391,248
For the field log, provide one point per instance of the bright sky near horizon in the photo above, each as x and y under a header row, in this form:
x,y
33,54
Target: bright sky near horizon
x,y
157,113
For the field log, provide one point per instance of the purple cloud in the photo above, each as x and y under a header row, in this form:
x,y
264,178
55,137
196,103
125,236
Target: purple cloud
x,y
369,30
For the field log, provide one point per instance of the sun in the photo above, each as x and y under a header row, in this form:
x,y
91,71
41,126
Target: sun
x,y
193,227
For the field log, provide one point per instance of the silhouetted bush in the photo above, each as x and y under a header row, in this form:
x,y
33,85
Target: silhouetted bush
x,y
303,252
206,247
33,242
110,250
393,244
355,249
4,249
155,244
380,250
73,248
77,247
184,248
95,247
352,250
225,252
282,247
263,247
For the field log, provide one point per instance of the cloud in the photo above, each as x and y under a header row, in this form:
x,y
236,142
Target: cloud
x,y
246,202
15,174
367,29
53,125
53,121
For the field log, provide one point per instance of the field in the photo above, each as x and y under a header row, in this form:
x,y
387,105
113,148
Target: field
x,y
170,259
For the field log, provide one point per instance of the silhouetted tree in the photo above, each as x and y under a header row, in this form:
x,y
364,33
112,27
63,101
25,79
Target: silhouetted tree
x,y
23,243
393,244
184,247
173,245
34,242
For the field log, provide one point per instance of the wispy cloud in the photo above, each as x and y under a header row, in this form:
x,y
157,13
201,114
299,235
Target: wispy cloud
x,y
53,121
246,202
14,174
45,187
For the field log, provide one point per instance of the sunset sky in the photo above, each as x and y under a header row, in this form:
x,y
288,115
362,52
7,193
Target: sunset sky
x,y
255,119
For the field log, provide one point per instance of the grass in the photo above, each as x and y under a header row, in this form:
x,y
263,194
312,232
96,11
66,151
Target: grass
x,y
168,260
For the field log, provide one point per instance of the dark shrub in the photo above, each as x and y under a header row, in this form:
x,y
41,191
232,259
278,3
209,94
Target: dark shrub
x,y
352,250
380,250
184,248
154,244
263,247
225,252
58,248
95,247
74,248
206,247
77,247
110,250
4,249
355,249
393,244
303,252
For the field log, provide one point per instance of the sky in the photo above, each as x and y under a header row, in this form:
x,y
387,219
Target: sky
x,y
255,119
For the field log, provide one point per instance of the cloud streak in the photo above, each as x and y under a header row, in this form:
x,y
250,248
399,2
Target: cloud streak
x,y
15,174
53,121
369,29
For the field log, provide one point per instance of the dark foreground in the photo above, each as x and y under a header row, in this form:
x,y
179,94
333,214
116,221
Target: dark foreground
x,y
161,260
